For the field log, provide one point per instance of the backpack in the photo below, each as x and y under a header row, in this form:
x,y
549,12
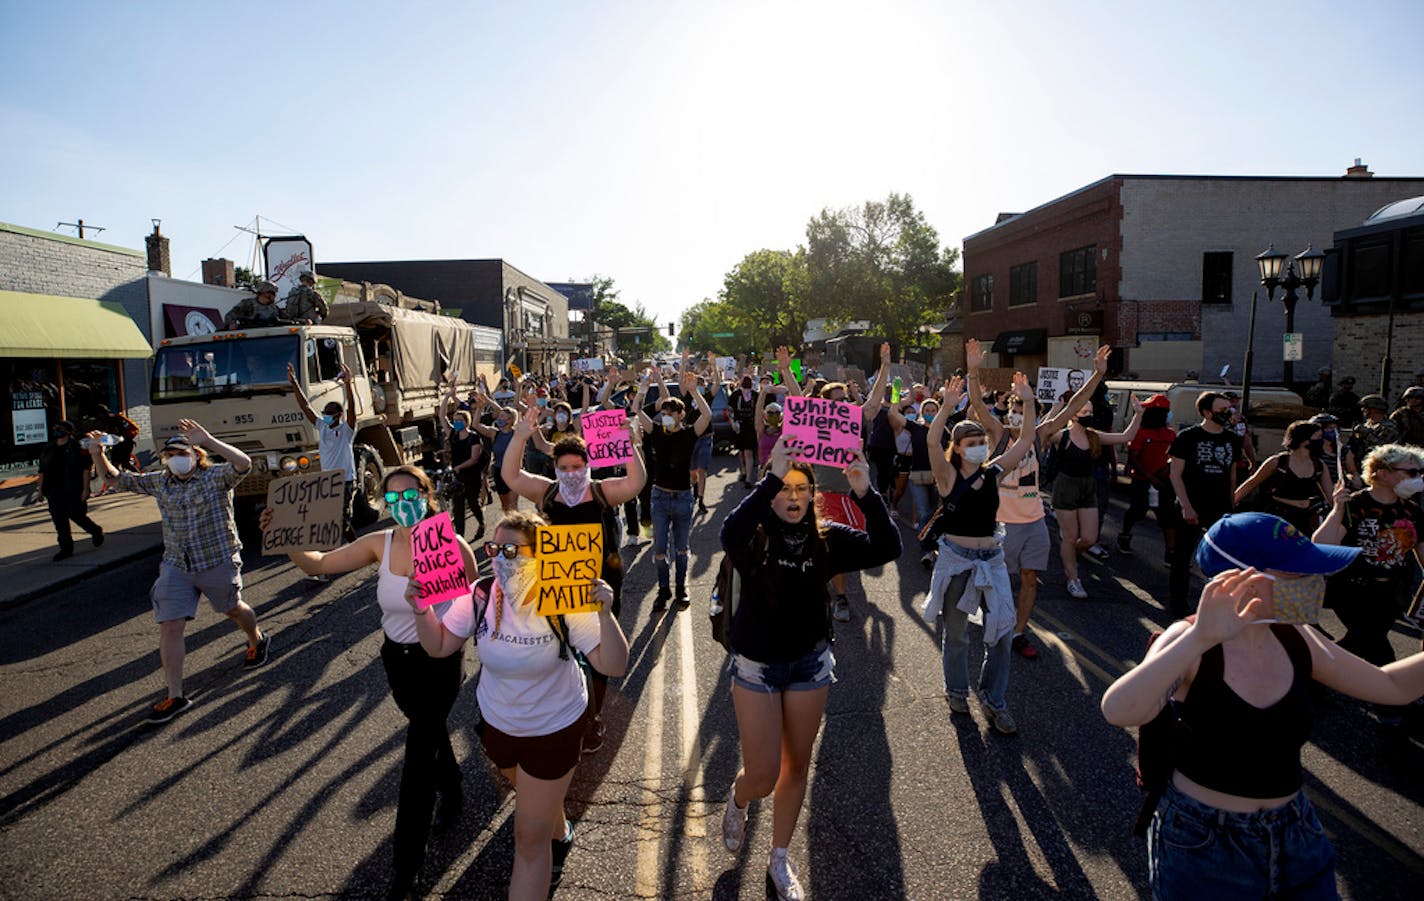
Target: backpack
x,y
557,624
1155,762
727,587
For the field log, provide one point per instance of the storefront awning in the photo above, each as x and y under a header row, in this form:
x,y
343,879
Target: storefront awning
x,y
1023,341
47,325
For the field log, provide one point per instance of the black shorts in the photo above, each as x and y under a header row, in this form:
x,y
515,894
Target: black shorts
x,y
497,480
745,439
541,756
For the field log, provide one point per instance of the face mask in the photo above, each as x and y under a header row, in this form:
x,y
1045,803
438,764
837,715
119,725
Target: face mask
x,y
543,402
562,419
773,419
1332,435
1169,417
928,415
180,464
501,423
458,426
1298,601
516,577
572,484
1410,487
1222,419
1015,420
408,513
977,454
328,418
668,421
1316,445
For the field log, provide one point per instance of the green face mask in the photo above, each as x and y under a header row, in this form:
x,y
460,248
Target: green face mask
x,y
408,513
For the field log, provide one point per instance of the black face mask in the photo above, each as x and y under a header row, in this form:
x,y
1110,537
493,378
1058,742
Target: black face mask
x,y
1316,446
1222,419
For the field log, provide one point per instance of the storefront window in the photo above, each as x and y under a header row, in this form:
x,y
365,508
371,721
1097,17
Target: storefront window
x,y
30,409
87,385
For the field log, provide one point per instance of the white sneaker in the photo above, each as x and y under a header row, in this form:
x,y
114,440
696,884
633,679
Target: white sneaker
x,y
1075,588
781,878
734,821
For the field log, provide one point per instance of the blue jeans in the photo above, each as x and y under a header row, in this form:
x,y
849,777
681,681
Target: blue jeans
x,y
672,511
994,674
1197,851
922,502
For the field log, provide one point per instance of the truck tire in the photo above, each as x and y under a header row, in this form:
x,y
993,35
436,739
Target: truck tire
x,y
369,473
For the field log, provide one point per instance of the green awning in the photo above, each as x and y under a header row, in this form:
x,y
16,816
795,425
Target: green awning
x,y
47,325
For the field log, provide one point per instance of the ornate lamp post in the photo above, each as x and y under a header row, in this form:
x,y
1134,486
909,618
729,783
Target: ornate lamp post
x,y
1271,262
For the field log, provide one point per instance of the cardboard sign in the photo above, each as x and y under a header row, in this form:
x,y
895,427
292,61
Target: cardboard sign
x,y
570,558
996,378
830,432
606,434
306,512
515,370
436,560
588,364
728,367
1053,381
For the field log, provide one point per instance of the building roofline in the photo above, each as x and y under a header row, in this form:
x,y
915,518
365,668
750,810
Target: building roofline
x,y
66,239
1414,179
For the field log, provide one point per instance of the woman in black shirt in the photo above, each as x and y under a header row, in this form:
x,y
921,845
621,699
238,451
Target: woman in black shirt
x,y
782,663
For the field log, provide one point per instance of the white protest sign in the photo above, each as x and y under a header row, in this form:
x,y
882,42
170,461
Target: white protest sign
x,y
588,364
1054,380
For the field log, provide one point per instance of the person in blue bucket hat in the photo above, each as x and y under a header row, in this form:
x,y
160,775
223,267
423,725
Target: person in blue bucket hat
x,y
1233,820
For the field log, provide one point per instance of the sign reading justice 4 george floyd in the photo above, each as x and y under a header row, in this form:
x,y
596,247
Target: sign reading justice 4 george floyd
x,y
306,512
570,558
829,431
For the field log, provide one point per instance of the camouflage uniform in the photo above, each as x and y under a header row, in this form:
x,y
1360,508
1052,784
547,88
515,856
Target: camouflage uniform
x,y
249,309
306,302
1410,424
1370,435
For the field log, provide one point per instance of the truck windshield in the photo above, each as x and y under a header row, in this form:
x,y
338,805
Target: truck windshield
x,y
238,367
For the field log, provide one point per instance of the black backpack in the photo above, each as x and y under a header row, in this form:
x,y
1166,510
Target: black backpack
x,y
557,624
1155,761
727,588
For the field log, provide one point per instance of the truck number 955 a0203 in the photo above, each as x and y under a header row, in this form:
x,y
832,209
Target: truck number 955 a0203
x,y
279,418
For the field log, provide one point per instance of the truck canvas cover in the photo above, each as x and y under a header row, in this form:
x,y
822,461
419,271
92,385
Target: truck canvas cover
x,y
424,346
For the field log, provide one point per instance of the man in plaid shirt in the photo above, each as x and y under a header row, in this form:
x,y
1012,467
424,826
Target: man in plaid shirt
x,y
201,550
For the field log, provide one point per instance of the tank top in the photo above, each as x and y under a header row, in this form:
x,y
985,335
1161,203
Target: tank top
x,y
1019,498
976,509
397,619
1286,484
501,444
1228,745
1073,460
765,443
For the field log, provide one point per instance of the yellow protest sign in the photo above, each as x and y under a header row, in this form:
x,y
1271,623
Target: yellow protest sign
x,y
570,558
515,370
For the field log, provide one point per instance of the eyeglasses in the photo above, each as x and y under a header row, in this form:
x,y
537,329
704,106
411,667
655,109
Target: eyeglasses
x,y
409,494
1411,471
510,551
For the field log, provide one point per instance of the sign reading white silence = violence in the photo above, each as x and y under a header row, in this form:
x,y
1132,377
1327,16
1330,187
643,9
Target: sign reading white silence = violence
x,y
306,512
829,431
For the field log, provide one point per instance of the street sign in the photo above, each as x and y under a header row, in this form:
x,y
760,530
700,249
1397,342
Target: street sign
x,y
1294,347
724,334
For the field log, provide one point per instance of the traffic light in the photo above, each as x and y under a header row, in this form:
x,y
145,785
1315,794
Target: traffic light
x,y
669,329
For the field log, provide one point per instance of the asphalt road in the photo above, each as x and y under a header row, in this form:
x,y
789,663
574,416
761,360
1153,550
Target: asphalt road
x,y
281,782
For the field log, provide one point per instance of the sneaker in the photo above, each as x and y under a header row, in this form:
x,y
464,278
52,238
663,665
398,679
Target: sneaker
x,y
1022,647
1098,553
660,602
561,849
1000,719
318,579
840,610
592,736
257,656
701,508
1124,545
734,821
1075,588
927,559
682,600
99,538
781,879
632,540
166,710
958,703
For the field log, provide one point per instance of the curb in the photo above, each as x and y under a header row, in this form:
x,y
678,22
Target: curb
x,y
76,578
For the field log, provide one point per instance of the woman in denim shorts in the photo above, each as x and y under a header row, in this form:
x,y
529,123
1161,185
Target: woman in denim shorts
x,y
1232,690
782,665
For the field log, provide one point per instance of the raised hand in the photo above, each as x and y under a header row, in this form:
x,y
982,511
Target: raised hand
x,y
885,353
783,357
1231,601
1100,360
953,393
346,374
1021,387
858,474
973,354
291,374
96,448
196,434
1136,404
782,454
528,424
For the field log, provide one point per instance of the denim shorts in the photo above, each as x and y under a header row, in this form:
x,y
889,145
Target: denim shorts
x,y
175,593
1197,851
815,670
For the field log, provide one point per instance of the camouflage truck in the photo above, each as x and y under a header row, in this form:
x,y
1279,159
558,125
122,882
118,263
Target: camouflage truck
x,y
235,384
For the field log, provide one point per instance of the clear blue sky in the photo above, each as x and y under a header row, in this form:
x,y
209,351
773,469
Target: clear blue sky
x,y
658,142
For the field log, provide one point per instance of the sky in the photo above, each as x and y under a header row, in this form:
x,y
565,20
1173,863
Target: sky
x,y
657,143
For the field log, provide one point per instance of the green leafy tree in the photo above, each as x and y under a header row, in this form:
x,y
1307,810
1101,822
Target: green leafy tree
x,y
611,313
881,261
244,277
766,295
703,322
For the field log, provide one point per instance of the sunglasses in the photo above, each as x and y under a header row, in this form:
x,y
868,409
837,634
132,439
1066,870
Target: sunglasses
x,y
510,551
409,494
1412,472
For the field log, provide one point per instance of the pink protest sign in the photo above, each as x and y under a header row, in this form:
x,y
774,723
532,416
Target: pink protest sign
x,y
829,431
606,434
437,563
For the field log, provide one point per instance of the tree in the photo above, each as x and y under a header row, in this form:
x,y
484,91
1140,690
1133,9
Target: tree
x,y
610,313
883,262
766,296
702,322
244,278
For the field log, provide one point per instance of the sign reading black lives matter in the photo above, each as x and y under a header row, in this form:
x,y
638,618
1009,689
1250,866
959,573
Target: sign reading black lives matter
x,y
306,512
829,431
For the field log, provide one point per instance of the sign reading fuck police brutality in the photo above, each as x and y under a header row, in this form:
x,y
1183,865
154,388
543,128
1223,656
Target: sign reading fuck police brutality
x,y
306,512
436,561
570,558
829,431
605,433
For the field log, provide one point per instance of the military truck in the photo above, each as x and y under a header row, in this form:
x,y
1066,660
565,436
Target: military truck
x,y
235,384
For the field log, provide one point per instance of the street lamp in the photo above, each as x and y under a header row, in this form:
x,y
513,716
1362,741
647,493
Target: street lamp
x,y
1303,271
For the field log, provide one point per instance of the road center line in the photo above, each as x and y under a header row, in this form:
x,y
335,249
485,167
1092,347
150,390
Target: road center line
x,y
694,817
650,829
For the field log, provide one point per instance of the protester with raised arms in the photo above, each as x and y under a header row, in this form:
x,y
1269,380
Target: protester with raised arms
x,y
335,437
531,690
781,631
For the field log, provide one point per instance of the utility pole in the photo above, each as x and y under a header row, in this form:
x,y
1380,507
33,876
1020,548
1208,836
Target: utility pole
x,y
79,225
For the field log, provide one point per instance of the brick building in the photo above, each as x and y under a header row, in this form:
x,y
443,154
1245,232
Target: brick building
x,y
533,317
1161,267
73,335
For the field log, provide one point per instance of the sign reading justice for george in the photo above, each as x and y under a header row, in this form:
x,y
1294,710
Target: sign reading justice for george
x,y
606,435
570,558
306,512
829,431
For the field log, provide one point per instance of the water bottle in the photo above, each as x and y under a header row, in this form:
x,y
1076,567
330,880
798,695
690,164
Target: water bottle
x,y
716,606
106,441
1153,497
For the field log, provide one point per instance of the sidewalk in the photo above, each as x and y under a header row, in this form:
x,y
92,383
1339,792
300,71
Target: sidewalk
x,y
27,542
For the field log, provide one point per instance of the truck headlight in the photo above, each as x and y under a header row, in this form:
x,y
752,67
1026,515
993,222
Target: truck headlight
x,y
289,464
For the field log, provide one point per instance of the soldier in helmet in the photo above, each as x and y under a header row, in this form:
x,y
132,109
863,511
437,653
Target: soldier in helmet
x,y
258,310
1375,430
1410,417
1345,403
305,304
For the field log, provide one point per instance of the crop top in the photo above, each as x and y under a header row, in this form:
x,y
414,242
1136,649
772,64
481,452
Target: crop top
x,y
975,510
1228,745
1073,460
